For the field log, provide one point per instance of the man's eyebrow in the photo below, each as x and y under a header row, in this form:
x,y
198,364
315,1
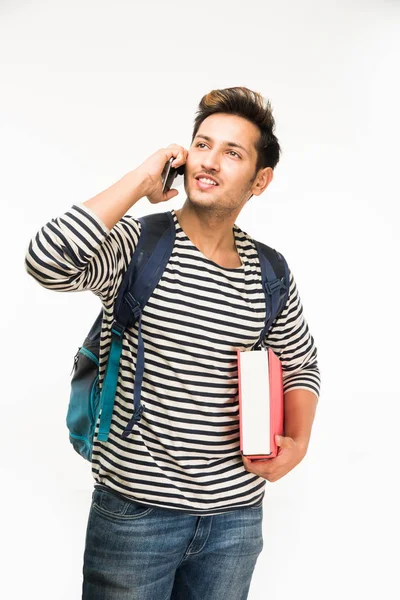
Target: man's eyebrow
x,y
230,144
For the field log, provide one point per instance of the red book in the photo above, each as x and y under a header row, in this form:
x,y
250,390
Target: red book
x,y
261,402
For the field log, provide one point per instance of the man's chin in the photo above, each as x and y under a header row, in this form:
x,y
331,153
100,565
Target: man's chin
x,y
199,196
201,199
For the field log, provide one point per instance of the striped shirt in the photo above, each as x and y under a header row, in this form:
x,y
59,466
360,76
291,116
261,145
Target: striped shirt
x,y
184,453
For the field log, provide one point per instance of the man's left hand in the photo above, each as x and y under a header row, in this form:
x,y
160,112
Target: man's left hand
x,y
289,455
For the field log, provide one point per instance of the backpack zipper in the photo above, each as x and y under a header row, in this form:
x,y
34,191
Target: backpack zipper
x,y
87,353
75,361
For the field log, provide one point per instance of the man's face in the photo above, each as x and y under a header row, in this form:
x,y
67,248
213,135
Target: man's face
x,y
214,152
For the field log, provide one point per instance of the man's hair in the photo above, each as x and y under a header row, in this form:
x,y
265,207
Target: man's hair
x,y
250,105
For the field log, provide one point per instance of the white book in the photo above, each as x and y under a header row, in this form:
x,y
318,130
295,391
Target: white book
x,y
261,402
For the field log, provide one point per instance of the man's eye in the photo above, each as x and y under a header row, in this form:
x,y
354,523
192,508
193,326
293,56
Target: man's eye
x,y
203,144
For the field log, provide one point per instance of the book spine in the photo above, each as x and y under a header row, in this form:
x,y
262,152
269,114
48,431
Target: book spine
x,y
240,401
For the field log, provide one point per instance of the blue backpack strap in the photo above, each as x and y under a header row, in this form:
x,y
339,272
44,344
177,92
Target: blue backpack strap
x,y
275,281
156,241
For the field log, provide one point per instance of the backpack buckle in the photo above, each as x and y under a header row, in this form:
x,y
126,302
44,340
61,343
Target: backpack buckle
x,y
117,329
133,305
273,286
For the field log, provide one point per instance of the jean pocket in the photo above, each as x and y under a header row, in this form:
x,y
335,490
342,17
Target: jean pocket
x,y
112,505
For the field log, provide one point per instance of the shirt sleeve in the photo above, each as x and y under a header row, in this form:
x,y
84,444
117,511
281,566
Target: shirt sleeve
x,y
290,339
76,252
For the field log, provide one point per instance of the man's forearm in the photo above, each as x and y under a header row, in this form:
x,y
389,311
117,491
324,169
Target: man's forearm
x,y
113,203
300,407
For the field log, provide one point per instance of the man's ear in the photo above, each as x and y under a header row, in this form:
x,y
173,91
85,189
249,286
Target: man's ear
x,y
262,181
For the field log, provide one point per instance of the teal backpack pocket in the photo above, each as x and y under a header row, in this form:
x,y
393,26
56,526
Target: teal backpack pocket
x,y
84,403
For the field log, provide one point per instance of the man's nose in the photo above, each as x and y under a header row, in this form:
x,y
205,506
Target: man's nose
x,y
210,161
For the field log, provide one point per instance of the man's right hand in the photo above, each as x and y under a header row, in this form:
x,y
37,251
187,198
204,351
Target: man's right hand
x,y
151,169
113,203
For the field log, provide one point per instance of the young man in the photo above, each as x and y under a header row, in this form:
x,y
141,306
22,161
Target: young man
x,y
176,510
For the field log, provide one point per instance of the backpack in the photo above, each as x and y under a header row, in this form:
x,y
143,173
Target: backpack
x,y
87,402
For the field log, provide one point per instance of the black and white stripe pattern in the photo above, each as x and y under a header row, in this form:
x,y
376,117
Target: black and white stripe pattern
x,y
184,454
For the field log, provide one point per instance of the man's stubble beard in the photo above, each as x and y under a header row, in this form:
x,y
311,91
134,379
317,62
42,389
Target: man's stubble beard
x,y
216,208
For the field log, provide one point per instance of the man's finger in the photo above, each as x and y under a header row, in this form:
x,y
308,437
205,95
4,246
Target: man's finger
x,y
284,441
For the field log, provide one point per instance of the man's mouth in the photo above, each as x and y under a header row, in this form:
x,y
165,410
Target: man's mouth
x,y
206,183
205,186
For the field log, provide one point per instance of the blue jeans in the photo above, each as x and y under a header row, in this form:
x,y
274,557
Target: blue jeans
x,y
136,552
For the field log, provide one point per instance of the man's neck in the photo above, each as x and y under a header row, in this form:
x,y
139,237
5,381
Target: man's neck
x,y
211,234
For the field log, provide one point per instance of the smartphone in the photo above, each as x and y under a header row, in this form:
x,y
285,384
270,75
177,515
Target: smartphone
x,y
169,173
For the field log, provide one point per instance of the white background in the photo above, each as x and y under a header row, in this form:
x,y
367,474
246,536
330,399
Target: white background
x,y
89,89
